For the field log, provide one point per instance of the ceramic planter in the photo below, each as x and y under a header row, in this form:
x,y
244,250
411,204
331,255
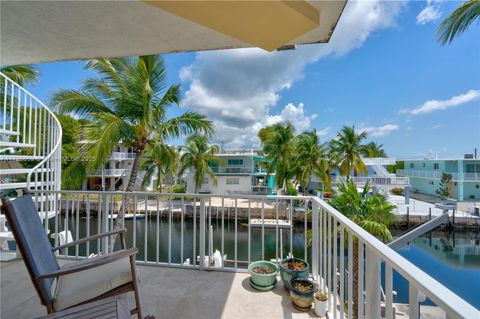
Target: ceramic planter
x,y
263,281
320,307
290,274
302,299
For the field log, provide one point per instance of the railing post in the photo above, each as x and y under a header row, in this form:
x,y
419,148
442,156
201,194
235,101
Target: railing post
x,y
104,224
372,284
202,232
413,310
315,208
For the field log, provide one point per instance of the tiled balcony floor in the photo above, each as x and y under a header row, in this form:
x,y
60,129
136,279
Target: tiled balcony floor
x,y
166,293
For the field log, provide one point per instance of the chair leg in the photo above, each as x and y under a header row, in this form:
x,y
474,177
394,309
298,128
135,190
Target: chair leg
x,y
136,290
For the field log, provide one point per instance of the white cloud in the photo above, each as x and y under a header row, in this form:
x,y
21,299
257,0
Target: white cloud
x,y
323,132
437,105
430,13
237,89
436,126
379,131
293,114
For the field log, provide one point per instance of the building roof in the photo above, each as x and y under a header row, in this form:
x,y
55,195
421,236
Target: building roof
x,y
441,159
44,31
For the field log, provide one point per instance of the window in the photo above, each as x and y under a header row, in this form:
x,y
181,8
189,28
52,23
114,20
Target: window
x,y
235,162
423,164
430,182
233,181
412,165
205,181
477,186
436,166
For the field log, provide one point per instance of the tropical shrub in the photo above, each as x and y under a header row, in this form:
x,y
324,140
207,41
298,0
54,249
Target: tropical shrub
x,y
397,191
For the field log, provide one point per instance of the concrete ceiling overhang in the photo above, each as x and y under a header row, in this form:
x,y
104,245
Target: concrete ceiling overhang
x,y
45,31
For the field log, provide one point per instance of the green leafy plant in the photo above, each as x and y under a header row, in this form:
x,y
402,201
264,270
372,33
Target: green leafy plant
x,y
397,191
443,188
199,155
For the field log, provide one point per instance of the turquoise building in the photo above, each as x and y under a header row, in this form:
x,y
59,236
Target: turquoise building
x,y
425,176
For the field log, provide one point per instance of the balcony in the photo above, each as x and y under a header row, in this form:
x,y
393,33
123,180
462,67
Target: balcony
x,y
176,235
474,177
370,161
109,172
393,181
122,156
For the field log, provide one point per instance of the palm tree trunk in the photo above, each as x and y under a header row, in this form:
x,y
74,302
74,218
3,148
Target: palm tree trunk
x,y
130,186
134,172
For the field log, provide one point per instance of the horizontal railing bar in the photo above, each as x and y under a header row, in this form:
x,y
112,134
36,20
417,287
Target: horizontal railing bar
x,y
438,293
153,194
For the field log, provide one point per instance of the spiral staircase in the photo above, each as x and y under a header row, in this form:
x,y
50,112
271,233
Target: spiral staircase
x,y
30,150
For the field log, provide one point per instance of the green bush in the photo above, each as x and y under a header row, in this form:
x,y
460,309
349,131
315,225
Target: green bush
x,y
179,189
397,191
292,191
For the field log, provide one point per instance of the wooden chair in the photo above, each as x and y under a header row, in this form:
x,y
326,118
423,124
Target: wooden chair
x,y
74,283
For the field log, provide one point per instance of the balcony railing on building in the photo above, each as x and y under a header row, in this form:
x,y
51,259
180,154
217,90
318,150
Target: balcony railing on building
x,y
238,170
108,172
183,230
122,156
438,174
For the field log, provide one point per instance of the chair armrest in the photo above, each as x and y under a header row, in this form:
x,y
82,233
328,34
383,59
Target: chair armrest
x,y
90,238
91,263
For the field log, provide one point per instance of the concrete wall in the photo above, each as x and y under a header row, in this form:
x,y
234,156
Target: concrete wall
x,y
470,189
244,186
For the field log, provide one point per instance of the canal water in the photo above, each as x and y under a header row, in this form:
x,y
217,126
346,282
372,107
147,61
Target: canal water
x,y
451,258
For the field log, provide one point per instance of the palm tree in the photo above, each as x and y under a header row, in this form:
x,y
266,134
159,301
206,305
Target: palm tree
x,y
348,147
279,146
198,155
21,74
311,160
458,21
373,149
371,211
127,102
159,159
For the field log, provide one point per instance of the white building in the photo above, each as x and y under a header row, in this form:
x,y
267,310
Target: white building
x,y
116,172
236,172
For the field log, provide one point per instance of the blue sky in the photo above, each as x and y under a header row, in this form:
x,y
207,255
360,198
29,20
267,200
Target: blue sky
x,y
383,71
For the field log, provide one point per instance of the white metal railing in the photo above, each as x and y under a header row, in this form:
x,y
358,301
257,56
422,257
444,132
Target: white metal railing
x,y
435,174
374,180
33,132
378,161
122,155
471,176
169,228
238,169
263,190
108,172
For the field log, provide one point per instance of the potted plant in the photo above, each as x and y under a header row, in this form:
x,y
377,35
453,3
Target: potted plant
x,y
292,268
320,304
263,275
301,292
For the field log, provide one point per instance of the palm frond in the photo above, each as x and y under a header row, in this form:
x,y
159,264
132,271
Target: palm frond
x,y
105,132
458,21
78,103
21,74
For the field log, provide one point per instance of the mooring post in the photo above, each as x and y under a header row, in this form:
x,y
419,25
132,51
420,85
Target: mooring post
x,y
408,217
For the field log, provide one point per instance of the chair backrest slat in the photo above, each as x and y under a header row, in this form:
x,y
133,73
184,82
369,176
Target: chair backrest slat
x,y
32,240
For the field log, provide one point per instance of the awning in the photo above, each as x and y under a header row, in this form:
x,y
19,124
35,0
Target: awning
x,y
43,31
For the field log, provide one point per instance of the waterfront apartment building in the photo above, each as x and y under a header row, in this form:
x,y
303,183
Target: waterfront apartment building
x,y
425,176
116,172
236,172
